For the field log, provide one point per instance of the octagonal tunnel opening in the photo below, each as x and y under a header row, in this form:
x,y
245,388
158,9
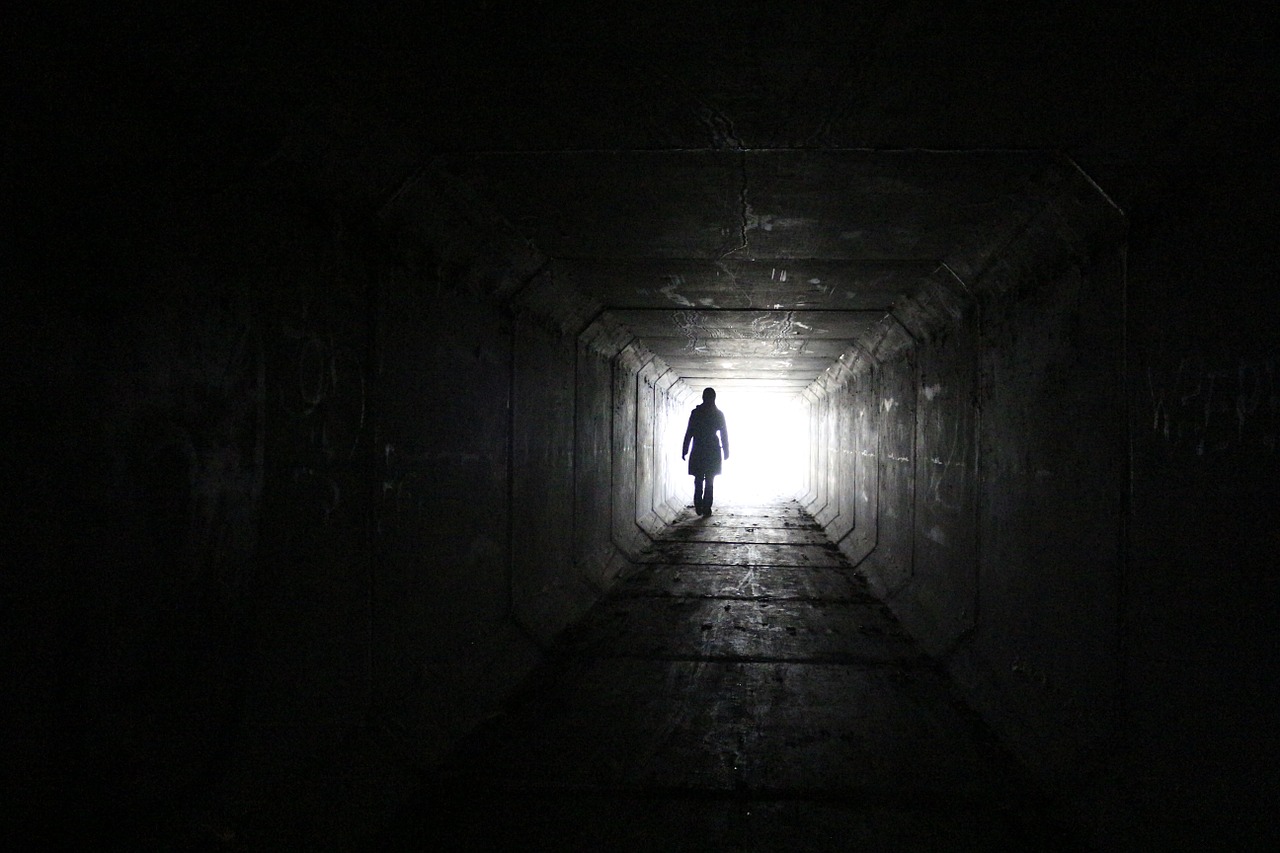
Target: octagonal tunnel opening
x,y
944,394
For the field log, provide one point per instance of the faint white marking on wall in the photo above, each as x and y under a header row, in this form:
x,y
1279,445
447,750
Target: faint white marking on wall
x,y
1208,406
670,291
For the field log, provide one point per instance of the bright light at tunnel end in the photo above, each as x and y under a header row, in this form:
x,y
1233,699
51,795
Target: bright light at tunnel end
x,y
768,446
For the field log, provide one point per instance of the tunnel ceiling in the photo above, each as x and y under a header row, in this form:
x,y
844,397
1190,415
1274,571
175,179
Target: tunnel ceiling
x,y
666,158
696,157
758,266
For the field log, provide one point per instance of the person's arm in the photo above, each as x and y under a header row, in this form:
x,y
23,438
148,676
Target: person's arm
x,y
724,437
688,436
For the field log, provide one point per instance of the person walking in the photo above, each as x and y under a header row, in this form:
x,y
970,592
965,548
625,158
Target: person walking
x,y
710,439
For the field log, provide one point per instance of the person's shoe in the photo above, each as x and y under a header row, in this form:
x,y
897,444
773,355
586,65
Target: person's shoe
x,y
707,512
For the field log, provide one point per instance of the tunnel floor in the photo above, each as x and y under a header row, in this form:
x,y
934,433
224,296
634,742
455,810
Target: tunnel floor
x,y
743,691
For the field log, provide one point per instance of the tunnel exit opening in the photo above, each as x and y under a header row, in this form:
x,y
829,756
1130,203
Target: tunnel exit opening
x,y
769,438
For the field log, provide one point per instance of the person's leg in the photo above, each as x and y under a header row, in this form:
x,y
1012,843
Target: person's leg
x,y
698,484
708,493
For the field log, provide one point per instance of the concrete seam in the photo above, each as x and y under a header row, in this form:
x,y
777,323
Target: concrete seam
x,y
745,149
1099,190
524,285
915,463
1017,236
511,468
979,490
524,628
964,284
573,461
1126,506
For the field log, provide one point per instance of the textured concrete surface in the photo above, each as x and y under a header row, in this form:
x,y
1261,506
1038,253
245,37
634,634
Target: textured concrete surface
x,y
731,696
295,298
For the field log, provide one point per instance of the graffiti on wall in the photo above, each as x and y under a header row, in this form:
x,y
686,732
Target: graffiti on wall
x,y
324,396
183,425
1207,407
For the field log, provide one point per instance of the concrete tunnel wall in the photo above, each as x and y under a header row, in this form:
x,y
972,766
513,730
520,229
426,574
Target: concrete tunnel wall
x,y
259,436
293,448
334,483
449,455
970,459
968,455
523,481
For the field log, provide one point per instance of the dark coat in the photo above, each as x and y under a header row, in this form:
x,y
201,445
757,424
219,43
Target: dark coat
x,y
710,439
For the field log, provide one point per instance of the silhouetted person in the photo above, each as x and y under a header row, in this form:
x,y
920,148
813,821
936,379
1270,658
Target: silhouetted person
x,y
710,438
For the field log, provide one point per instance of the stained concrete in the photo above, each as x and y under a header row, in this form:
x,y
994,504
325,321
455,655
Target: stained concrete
x,y
732,699
295,303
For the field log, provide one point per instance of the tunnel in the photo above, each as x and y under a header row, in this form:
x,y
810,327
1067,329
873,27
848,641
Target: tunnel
x,y
350,354
965,452
887,300
841,285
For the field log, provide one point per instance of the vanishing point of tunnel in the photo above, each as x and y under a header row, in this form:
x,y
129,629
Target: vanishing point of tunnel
x,y
348,356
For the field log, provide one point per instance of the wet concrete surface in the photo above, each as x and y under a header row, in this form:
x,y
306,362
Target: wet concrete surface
x,y
743,691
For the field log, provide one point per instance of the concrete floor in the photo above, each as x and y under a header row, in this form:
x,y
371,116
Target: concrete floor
x,y
743,691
